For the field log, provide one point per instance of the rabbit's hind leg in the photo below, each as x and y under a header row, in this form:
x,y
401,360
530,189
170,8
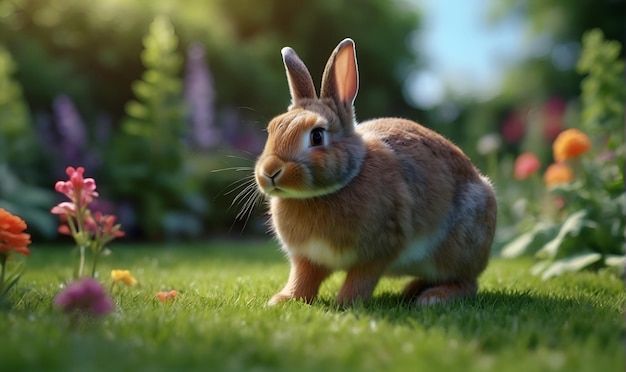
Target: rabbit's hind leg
x,y
423,293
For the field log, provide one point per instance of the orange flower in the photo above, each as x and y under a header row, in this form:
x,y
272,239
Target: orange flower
x,y
164,296
526,165
12,236
558,173
569,144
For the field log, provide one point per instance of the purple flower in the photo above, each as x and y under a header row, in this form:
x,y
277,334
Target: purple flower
x,y
70,126
200,97
85,296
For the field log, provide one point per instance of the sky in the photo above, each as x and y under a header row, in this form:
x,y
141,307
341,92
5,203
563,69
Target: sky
x,y
464,53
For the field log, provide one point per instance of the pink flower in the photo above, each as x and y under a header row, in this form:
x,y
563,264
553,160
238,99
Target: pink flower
x,y
526,165
64,208
103,225
89,229
108,227
85,296
78,189
553,113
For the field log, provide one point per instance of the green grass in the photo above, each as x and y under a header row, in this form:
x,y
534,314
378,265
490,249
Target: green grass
x,y
220,322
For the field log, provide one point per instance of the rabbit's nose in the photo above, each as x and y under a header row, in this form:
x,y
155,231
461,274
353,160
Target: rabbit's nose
x,y
270,172
274,175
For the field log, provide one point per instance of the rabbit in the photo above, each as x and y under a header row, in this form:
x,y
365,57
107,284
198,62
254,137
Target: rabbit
x,y
383,197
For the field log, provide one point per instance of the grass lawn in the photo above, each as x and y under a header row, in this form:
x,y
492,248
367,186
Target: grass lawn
x,y
219,320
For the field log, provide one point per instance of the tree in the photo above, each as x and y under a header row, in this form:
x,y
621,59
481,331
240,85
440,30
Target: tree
x,y
88,51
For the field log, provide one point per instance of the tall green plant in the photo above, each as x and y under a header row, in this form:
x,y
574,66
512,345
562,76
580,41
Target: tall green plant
x,y
148,156
157,114
602,88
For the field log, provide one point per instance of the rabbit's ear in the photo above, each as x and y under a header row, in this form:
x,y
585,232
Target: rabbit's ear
x,y
341,76
298,76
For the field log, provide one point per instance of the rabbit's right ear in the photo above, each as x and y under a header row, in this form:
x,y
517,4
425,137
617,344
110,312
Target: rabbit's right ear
x,y
341,75
300,81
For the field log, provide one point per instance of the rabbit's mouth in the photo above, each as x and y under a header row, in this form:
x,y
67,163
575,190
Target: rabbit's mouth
x,y
286,193
289,180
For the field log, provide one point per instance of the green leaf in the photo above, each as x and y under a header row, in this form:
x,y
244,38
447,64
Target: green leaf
x,y
571,226
571,264
136,110
615,261
539,267
137,128
518,246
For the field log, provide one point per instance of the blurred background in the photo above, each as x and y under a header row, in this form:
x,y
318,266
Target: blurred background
x,y
165,102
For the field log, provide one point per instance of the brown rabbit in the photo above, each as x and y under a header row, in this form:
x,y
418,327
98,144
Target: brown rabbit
x,y
384,197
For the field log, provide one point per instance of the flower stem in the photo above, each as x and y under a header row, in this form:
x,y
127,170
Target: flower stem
x,y
3,261
78,272
96,254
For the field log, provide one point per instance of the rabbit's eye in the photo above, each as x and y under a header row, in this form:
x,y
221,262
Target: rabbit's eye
x,y
317,136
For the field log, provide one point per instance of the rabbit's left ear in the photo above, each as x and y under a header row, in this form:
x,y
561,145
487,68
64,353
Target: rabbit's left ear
x,y
298,76
341,76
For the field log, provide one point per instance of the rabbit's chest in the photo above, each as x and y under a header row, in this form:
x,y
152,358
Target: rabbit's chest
x,y
317,232
324,254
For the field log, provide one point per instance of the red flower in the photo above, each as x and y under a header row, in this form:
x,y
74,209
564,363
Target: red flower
x,y
553,111
526,165
514,128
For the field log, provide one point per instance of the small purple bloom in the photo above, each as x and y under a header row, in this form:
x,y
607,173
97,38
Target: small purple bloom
x,y
86,296
70,124
607,156
200,98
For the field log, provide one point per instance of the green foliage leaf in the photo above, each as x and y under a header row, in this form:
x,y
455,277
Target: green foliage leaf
x,y
518,246
571,227
571,264
615,260
137,110
31,203
525,243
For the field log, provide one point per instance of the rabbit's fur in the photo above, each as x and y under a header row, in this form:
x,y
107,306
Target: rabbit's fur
x,y
387,196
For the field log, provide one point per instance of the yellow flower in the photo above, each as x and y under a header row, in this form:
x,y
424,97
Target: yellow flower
x,y
123,276
569,144
558,173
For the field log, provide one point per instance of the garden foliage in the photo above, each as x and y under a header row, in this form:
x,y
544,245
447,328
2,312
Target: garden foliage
x,y
580,223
